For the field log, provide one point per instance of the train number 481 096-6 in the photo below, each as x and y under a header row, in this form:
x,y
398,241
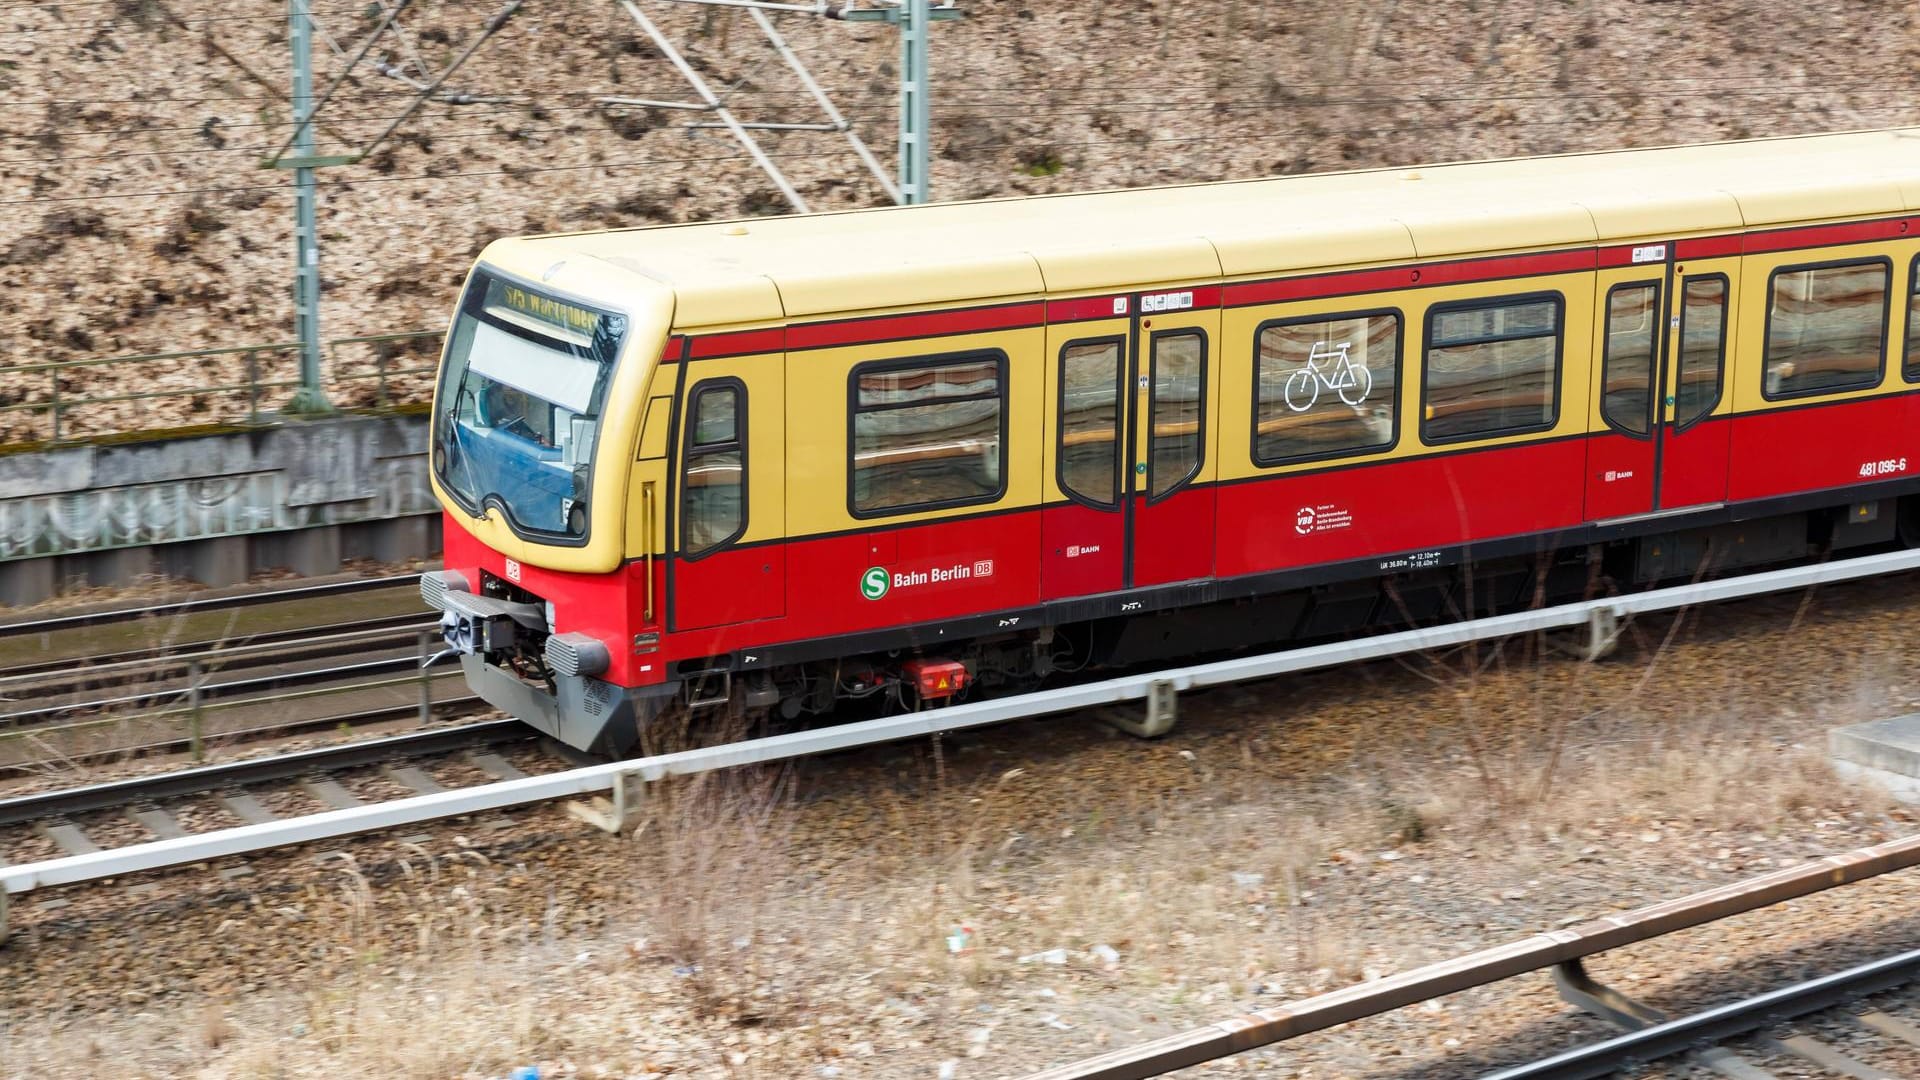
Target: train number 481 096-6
x,y
1883,467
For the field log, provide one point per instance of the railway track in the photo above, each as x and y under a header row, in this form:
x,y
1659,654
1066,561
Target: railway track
x,y
98,817
1702,1038
166,678
1599,618
1779,1023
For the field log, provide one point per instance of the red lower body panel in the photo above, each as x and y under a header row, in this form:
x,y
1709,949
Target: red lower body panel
x,y
1823,446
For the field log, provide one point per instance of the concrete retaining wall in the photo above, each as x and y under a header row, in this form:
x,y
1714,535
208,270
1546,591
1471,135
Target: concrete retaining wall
x,y
305,495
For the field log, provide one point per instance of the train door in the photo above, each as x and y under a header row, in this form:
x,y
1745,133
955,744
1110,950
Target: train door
x,y
728,518
1132,451
1663,345
1169,493
1694,432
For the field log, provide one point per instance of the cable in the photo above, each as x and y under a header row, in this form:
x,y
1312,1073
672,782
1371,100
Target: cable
x,y
180,22
979,110
1133,144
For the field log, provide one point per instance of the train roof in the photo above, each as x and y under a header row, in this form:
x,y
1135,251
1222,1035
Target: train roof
x,y
772,269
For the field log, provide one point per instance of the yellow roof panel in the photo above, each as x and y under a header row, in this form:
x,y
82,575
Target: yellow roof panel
x,y
819,264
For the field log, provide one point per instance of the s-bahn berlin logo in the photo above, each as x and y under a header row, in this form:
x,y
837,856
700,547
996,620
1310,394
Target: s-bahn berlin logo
x,y
878,581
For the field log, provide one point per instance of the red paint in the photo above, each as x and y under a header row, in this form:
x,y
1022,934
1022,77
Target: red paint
x,y
604,606
1619,476
1446,273
1809,449
821,335
1082,551
1173,539
737,585
1622,255
1853,232
740,343
1082,309
1694,463
1707,247
1304,519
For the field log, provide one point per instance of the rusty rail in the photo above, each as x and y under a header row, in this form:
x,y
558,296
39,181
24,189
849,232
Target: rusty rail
x,y
1256,1029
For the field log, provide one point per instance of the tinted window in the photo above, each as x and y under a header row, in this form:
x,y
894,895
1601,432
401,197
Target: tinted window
x,y
1633,312
1325,386
1089,449
1179,379
1911,367
927,434
713,507
1491,368
1825,328
1703,344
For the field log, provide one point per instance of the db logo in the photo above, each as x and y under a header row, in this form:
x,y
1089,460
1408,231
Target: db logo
x,y
1303,521
983,568
513,570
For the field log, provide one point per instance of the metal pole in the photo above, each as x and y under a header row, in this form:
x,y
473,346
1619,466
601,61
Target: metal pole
x,y
311,398
193,711
916,120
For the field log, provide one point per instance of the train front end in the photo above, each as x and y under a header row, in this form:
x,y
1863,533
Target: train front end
x,y
547,597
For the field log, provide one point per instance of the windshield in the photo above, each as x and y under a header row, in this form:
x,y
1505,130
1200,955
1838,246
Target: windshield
x,y
519,404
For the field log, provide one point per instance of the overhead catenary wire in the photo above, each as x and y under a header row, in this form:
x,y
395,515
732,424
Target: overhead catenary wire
x,y
1133,144
963,108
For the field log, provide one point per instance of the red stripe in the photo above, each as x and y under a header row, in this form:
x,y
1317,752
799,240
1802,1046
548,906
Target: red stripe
x,y
931,324
740,343
1827,235
1083,308
1707,247
1451,273
1620,255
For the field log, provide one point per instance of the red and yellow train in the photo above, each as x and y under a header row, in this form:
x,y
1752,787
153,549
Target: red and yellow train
x,y
898,453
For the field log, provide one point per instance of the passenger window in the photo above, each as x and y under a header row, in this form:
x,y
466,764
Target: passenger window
x,y
1911,367
1826,327
1703,346
927,434
1179,361
1325,386
1089,449
1491,368
1626,373
713,505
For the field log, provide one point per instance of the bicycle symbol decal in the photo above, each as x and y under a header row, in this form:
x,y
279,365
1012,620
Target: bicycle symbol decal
x,y
1352,381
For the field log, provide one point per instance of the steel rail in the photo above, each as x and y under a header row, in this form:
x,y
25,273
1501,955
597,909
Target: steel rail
x,y
1243,1033
211,692
1671,1037
128,719
230,736
215,603
612,775
294,640
41,805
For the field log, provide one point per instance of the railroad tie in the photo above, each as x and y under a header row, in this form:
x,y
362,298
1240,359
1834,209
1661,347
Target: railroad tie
x,y
158,822
248,809
331,793
416,779
497,767
70,838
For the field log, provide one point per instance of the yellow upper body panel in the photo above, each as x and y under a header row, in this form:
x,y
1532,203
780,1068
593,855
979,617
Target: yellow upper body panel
x,y
767,270
701,278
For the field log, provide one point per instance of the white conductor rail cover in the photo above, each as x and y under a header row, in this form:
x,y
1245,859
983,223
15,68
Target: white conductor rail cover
x,y
186,850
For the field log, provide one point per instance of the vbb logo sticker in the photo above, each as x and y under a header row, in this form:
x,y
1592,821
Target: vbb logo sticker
x,y
513,570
